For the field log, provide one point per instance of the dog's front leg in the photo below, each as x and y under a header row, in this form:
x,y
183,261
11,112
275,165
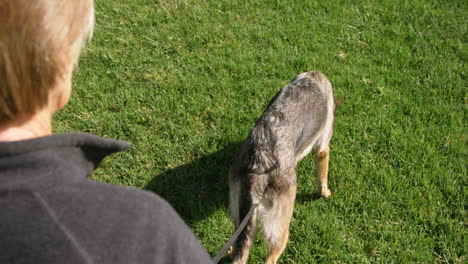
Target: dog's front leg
x,y
322,156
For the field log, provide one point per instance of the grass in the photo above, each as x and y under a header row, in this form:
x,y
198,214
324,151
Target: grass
x,y
185,81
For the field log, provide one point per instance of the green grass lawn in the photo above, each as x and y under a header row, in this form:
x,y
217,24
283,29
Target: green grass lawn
x,y
185,82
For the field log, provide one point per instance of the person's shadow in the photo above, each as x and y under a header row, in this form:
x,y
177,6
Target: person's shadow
x,y
198,188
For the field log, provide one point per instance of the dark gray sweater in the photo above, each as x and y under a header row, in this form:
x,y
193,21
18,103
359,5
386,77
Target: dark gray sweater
x,y
50,212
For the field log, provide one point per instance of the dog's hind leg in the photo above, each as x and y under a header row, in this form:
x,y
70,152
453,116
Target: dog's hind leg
x,y
322,157
234,196
276,216
243,244
241,249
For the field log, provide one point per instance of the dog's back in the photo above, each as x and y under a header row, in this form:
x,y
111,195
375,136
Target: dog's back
x,y
298,119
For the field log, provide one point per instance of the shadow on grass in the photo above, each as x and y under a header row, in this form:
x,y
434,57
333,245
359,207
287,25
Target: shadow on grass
x,y
307,197
198,188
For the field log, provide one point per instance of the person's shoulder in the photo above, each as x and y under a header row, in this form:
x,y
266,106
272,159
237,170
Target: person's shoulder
x,y
134,199
139,219
161,227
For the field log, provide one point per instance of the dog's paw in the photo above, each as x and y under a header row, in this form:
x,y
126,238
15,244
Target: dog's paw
x,y
325,192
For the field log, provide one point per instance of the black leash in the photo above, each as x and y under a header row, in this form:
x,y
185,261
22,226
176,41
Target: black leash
x,y
235,235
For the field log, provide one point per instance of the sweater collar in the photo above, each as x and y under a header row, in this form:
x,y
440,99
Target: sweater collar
x,y
54,159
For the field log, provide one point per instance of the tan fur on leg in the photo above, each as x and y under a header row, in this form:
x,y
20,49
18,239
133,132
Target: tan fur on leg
x,y
275,252
277,239
322,158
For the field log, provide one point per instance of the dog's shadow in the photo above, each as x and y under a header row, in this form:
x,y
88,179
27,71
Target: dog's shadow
x,y
307,197
198,188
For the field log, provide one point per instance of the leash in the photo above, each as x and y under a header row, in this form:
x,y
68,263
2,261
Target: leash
x,y
235,235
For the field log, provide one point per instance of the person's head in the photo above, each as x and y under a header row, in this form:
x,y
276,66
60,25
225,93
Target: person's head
x,y
40,42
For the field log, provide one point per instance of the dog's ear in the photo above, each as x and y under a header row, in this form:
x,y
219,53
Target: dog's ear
x,y
338,102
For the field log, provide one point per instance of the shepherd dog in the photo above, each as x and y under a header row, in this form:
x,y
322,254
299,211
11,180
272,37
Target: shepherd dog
x,y
297,120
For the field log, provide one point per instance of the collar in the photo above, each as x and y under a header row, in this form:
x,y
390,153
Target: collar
x,y
52,160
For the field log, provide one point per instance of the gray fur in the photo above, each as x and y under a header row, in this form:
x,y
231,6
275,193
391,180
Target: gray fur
x,y
294,123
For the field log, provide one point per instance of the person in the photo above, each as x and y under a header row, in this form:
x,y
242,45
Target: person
x,y
50,212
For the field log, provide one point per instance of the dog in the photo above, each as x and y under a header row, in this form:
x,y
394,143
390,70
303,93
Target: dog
x,y
297,120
